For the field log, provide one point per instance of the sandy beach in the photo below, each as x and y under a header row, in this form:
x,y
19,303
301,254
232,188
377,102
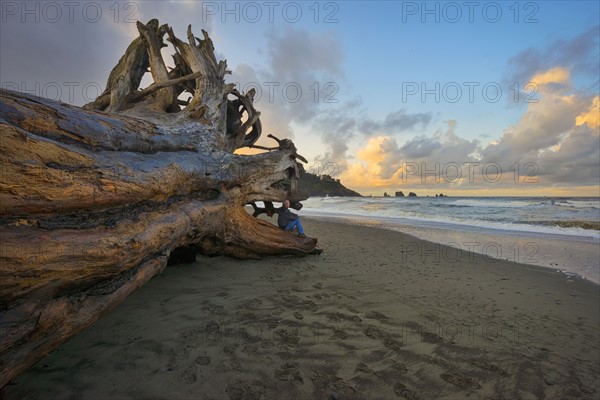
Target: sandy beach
x,y
571,255
369,319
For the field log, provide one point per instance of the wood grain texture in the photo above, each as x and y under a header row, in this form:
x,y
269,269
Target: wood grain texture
x,y
93,200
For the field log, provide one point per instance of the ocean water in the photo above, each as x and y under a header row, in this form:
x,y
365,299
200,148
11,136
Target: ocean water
x,y
558,233
571,216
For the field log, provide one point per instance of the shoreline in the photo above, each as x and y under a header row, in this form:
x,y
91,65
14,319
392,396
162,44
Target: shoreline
x,y
367,319
382,208
585,235
574,256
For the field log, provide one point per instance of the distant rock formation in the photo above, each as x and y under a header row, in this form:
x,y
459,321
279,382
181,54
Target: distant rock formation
x,y
385,194
401,194
324,185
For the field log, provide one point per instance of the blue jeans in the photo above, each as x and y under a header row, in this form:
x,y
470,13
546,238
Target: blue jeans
x,y
295,224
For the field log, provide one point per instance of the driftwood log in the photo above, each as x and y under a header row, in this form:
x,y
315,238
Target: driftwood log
x,y
94,200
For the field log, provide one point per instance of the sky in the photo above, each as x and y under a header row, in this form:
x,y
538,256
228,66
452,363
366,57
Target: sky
x,y
462,98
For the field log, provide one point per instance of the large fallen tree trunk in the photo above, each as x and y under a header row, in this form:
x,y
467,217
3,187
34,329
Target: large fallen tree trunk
x,y
94,200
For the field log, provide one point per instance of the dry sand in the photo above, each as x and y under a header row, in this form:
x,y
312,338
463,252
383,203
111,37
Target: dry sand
x,y
368,319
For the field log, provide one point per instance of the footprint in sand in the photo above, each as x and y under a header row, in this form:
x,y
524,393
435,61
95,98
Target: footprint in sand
x,y
250,350
384,319
483,364
339,317
398,366
460,381
230,349
289,372
319,380
339,333
189,375
362,367
288,337
432,338
352,310
295,302
340,385
387,339
343,387
402,391
244,390
203,360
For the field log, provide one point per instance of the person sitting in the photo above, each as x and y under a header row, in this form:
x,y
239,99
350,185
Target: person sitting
x,y
287,220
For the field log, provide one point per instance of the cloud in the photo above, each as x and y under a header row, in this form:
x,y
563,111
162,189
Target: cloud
x,y
591,117
276,116
556,143
47,59
553,75
337,129
382,156
420,147
574,162
578,54
301,74
348,122
312,62
295,53
66,50
556,138
367,172
396,122
544,124
385,164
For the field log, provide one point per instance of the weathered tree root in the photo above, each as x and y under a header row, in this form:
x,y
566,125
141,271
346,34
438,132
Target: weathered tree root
x,y
94,200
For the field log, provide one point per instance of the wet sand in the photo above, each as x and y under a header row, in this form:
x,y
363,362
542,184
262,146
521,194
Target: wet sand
x,y
575,255
369,319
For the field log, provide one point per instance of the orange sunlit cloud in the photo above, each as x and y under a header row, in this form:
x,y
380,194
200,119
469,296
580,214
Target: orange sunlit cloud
x,y
365,173
549,121
591,117
553,75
